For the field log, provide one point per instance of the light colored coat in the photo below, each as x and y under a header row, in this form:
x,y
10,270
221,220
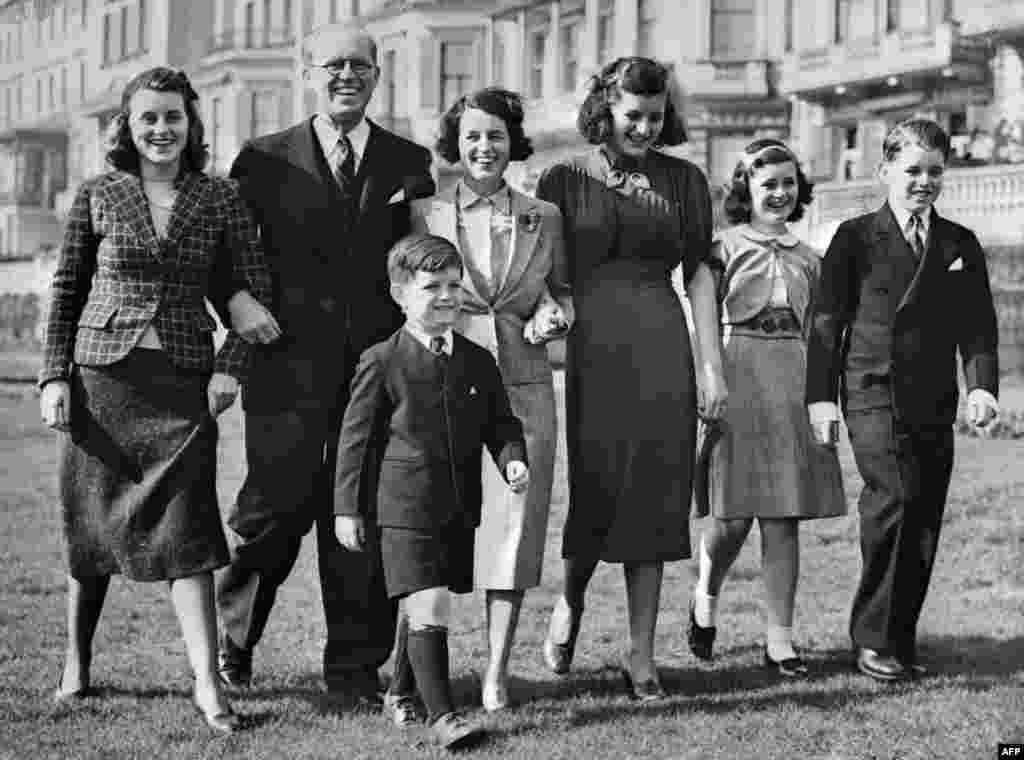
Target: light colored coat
x,y
537,272
510,539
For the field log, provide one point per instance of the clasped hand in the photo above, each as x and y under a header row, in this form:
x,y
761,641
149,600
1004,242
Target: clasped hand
x,y
252,320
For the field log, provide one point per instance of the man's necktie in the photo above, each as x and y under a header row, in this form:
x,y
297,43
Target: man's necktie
x,y
437,345
345,172
916,236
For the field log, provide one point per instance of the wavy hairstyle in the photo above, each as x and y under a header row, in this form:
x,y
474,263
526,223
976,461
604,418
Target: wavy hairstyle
x,y
760,153
496,101
637,76
121,151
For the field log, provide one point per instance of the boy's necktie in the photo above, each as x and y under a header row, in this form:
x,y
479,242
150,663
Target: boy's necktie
x,y
916,230
437,345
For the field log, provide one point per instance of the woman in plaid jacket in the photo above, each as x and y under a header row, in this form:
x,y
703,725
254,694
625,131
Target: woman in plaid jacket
x,y
131,378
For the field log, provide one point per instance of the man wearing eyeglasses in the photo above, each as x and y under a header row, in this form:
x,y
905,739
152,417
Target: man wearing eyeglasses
x,y
331,195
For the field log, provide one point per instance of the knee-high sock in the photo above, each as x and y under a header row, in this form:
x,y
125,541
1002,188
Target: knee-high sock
x,y
403,680
428,655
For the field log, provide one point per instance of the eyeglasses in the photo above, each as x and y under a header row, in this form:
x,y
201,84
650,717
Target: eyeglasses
x,y
359,66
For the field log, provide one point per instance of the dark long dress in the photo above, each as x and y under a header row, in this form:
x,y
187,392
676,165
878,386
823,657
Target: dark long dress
x,y
630,391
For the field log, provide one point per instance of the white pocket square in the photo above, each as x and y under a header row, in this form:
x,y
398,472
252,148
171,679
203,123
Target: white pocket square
x,y
398,197
472,390
956,266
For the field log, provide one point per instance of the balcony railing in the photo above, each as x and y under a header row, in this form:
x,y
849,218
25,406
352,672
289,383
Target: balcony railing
x,y
864,60
250,38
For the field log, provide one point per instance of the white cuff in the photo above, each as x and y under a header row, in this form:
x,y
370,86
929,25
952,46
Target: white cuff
x,y
823,411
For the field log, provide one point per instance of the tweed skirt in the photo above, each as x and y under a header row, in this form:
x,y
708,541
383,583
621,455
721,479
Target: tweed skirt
x,y
765,462
138,472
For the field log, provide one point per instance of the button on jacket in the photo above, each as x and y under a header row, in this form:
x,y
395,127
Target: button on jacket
x,y
115,277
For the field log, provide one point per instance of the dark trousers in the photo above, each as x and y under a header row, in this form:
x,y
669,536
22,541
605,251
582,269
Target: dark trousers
x,y
906,474
291,458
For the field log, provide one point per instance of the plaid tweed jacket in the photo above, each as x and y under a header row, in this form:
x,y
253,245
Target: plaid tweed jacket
x,y
115,276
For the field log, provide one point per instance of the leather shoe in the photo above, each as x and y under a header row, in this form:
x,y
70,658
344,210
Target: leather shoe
x,y
790,667
452,731
700,639
403,709
558,656
234,664
880,666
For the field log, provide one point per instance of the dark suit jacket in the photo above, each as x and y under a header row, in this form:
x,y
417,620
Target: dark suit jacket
x,y
115,277
426,419
328,263
886,331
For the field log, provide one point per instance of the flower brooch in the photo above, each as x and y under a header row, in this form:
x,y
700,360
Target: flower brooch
x,y
529,220
617,178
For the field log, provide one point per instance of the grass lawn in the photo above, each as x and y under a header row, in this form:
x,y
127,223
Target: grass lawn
x,y
972,635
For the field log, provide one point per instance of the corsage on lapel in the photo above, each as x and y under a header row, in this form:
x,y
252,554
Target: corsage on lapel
x,y
617,178
529,220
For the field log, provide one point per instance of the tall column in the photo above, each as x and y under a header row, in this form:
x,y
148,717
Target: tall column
x,y
627,22
588,43
553,51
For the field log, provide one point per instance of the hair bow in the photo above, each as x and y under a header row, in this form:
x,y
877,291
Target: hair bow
x,y
617,178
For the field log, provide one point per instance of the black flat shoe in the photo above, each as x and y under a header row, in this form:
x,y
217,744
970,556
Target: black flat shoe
x,y
700,639
559,656
648,690
791,667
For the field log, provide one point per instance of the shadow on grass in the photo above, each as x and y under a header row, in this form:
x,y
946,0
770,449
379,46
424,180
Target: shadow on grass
x,y
976,664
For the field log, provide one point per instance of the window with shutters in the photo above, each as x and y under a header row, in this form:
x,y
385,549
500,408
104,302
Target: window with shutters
x,y
572,34
456,71
389,77
124,30
733,28
907,15
264,112
647,17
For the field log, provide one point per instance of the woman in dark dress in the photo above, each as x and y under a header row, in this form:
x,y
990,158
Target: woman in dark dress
x,y
632,216
130,377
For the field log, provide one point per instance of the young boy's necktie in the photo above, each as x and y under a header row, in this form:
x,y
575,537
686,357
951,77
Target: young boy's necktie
x,y
915,237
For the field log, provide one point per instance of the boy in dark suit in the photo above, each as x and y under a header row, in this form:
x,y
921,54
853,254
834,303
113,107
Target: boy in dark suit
x,y
902,290
422,406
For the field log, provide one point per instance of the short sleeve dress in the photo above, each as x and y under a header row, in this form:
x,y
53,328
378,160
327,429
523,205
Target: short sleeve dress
x,y
631,401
